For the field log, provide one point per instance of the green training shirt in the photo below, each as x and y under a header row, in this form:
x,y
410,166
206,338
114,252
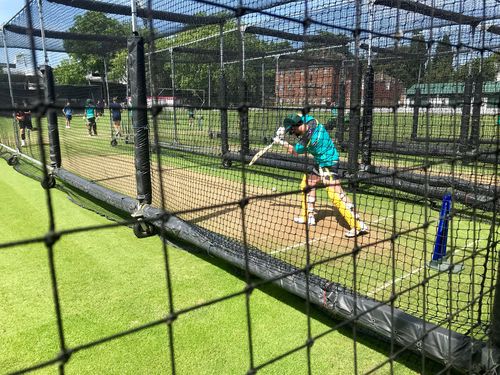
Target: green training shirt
x,y
318,143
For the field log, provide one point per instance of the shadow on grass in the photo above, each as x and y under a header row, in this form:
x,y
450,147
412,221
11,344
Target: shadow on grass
x,y
407,358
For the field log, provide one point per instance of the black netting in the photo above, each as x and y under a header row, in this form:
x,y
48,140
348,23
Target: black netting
x,y
167,115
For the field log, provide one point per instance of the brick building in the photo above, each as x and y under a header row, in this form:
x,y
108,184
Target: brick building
x,y
323,87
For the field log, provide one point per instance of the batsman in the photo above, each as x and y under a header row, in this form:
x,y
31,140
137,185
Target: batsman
x,y
313,138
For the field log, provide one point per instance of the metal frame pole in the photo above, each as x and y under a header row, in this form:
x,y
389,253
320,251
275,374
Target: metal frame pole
x,y
172,77
12,101
42,31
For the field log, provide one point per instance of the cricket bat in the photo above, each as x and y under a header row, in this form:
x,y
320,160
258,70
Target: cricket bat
x,y
260,153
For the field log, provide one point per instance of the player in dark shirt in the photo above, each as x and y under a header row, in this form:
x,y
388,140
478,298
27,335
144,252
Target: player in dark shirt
x,y
116,116
23,117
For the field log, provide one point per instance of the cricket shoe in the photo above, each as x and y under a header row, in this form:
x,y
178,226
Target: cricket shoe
x,y
23,143
302,220
355,232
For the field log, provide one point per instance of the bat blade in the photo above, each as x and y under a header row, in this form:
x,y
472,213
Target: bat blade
x,y
260,153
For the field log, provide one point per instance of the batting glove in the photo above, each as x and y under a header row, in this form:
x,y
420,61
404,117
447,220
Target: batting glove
x,y
280,133
279,141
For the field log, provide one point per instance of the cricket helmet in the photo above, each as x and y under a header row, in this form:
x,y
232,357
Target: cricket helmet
x,y
290,121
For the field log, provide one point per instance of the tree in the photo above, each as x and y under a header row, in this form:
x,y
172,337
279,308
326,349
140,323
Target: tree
x,y
192,68
69,72
91,54
489,69
117,71
405,62
440,68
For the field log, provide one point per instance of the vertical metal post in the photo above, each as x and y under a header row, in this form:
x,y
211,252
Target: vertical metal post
x,y
106,83
209,86
367,123
355,107
465,118
370,35
140,118
174,107
243,106
53,130
477,101
133,10
12,101
263,100
341,103
276,84
223,99
50,99
128,100
42,31
263,80
417,102
495,316
494,237
368,99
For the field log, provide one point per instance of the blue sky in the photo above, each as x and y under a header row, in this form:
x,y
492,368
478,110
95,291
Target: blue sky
x,y
8,8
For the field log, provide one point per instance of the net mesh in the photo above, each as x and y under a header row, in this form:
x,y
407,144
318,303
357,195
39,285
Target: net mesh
x,y
408,91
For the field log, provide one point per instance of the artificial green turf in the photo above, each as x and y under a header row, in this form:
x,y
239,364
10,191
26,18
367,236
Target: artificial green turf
x,y
109,282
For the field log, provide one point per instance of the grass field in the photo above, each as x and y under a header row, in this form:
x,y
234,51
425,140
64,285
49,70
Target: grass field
x,y
109,282
194,181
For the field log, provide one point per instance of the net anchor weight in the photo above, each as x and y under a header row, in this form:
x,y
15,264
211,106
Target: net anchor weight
x,y
13,160
142,228
48,182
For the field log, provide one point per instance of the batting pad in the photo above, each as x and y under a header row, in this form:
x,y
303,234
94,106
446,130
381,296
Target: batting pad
x,y
344,211
303,200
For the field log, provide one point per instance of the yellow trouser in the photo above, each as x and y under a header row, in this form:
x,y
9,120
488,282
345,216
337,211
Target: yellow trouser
x,y
344,211
337,200
334,197
305,202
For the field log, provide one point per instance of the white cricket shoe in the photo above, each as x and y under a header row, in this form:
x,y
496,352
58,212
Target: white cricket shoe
x,y
23,143
302,220
354,232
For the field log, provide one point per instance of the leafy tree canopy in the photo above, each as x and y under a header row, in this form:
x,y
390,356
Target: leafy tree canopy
x,y
440,68
69,72
90,54
405,62
192,70
489,68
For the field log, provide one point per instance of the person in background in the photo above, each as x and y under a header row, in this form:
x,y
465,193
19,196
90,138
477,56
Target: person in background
x,y
23,117
90,115
116,116
200,120
334,114
190,116
68,114
100,108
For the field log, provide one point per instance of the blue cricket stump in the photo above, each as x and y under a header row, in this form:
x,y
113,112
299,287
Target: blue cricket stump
x,y
439,260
